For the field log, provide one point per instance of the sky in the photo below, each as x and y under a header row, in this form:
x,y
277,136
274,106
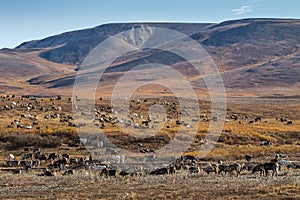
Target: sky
x,y
25,20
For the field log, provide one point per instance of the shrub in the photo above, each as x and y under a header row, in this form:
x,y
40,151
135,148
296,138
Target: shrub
x,y
21,140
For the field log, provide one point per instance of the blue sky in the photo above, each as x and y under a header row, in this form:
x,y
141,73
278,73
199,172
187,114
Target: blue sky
x,y
24,20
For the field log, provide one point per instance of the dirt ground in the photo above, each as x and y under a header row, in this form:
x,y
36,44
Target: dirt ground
x,y
179,186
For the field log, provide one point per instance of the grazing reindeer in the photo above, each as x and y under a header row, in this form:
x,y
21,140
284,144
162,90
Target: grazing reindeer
x,y
160,171
271,166
47,172
194,170
13,163
68,172
234,167
222,168
210,168
110,172
11,157
248,157
259,168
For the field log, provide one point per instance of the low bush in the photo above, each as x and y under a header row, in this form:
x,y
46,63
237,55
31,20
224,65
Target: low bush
x,y
20,140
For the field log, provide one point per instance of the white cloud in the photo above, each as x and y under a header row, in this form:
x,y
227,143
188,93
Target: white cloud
x,y
253,1
242,10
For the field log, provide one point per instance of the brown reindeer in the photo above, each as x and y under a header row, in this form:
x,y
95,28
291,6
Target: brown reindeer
x,y
210,168
160,171
259,168
221,168
234,167
271,166
110,172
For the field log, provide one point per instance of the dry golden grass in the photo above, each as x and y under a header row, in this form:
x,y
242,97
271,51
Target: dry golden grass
x,y
235,141
246,136
89,185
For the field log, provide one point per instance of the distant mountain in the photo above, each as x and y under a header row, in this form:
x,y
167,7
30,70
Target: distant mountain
x,y
253,55
72,47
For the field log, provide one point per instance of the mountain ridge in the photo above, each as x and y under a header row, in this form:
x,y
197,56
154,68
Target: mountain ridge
x,y
254,53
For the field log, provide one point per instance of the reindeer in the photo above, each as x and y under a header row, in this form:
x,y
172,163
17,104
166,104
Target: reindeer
x,y
234,167
259,168
160,171
210,168
110,172
248,157
47,172
195,170
13,163
271,166
222,168
68,172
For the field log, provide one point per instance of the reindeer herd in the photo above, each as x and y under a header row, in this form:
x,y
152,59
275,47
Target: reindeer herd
x,y
53,164
31,110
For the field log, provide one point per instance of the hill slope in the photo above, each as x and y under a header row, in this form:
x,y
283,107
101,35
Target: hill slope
x,y
253,55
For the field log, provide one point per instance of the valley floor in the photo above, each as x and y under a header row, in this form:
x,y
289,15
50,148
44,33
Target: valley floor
x,y
53,131
177,186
